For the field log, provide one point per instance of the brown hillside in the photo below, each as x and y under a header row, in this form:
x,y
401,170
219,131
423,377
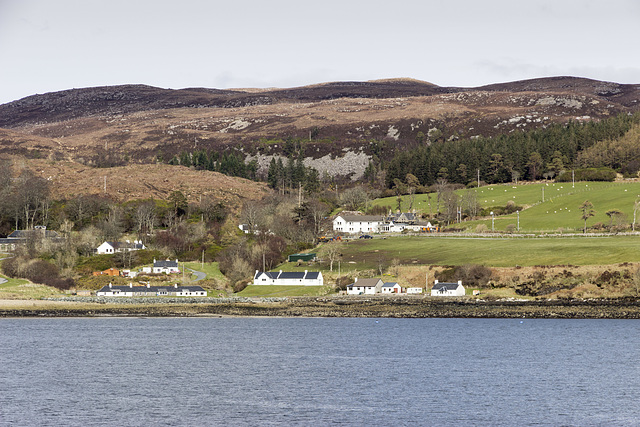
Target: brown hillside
x,y
70,179
141,124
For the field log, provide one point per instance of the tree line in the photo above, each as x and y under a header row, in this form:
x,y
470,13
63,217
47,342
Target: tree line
x,y
540,153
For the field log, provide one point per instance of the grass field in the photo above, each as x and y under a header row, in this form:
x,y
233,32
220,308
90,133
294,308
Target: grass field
x,y
495,252
281,291
560,208
211,269
23,289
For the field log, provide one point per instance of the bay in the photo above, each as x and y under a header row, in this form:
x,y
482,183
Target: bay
x,y
312,371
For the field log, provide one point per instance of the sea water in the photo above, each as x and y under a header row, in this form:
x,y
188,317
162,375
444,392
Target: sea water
x,y
300,371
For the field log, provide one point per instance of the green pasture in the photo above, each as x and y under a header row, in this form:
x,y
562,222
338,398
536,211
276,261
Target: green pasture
x,y
560,208
211,269
281,291
495,252
23,289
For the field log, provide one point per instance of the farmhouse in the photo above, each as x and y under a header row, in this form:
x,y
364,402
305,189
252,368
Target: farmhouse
x,y
365,287
114,247
18,237
146,291
391,288
159,267
293,278
355,224
447,289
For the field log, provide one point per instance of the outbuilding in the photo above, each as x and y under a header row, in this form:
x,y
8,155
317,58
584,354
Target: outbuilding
x,y
442,289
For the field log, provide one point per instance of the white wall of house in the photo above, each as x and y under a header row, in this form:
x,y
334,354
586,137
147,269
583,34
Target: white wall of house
x,y
459,291
415,290
395,289
272,279
105,248
361,290
356,225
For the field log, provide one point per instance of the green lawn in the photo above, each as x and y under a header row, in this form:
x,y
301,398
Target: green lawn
x,y
23,289
497,252
281,291
211,269
560,208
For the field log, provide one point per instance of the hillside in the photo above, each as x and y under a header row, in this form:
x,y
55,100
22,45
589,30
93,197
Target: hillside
x,y
133,182
140,124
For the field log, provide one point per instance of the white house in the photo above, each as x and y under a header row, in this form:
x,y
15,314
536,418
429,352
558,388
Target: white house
x,y
447,289
356,224
113,247
415,290
288,278
365,287
159,267
134,291
391,288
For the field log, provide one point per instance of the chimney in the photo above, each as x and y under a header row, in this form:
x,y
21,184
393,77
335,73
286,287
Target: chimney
x,y
130,285
148,285
109,285
435,282
460,282
175,286
356,279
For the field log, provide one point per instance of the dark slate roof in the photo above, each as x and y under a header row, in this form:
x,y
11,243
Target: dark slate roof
x,y
446,286
290,275
360,218
165,264
389,284
365,283
22,234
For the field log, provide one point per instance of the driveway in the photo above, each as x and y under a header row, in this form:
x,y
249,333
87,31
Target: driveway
x,y
199,275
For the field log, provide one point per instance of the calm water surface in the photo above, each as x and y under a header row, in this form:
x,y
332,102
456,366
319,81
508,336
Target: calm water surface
x,y
282,371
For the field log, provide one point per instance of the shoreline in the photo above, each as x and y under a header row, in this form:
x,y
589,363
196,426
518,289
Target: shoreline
x,y
369,307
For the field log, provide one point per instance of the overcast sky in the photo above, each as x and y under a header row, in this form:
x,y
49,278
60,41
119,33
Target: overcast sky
x,y
51,45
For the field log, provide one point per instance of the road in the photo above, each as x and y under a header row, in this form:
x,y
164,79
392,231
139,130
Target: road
x,y
199,274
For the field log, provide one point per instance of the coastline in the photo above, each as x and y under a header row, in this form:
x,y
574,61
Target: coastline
x,y
378,307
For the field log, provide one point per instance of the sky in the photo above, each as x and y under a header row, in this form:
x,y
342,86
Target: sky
x,y
48,45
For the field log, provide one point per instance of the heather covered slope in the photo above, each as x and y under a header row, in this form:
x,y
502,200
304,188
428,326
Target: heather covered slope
x,y
338,121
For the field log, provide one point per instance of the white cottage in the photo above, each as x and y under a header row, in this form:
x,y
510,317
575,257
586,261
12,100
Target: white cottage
x,y
288,278
447,289
356,224
114,247
159,267
146,291
415,290
391,288
365,287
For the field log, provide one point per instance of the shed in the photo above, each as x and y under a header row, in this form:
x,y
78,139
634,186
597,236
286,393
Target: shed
x,y
302,257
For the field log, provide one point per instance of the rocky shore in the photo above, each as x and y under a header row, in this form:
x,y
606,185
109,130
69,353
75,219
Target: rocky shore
x,y
405,307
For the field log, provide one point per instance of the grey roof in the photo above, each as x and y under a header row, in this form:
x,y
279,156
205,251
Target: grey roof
x,y
165,264
389,284
360,218
367,283
408,216
442,286
22,234
289,275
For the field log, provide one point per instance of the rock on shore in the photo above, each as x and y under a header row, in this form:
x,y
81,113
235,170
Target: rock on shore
x,y
407,307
